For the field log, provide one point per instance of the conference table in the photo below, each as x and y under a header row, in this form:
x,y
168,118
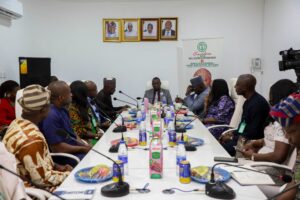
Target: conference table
x,y
138,167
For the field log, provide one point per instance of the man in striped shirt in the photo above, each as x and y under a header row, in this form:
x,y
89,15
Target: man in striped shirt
x,y
24,139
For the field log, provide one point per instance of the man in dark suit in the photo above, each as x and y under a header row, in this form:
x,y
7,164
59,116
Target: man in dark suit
x,y
103,99
168,31
157,94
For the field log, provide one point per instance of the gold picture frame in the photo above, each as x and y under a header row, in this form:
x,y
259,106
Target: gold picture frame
x,y
112,30
131,30
150,29
168,28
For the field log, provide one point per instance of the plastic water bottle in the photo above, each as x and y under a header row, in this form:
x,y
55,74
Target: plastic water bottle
x,y
180,154
172,110
156,158
139,118
164,99
123,155
142,134
171,134
143,110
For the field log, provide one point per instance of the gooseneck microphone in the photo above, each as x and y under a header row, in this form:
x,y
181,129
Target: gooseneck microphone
x,y
29,181
220,190
137,103
115,99
118,189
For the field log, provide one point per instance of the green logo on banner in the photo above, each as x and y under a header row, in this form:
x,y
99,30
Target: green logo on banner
x,y
202,46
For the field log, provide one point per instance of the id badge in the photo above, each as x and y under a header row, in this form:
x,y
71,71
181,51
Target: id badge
x,y
242,127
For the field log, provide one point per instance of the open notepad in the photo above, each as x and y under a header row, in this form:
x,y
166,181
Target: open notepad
x,y
246,177
75,193
252,178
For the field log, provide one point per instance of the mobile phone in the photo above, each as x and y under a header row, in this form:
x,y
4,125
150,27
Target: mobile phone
x,y
225,159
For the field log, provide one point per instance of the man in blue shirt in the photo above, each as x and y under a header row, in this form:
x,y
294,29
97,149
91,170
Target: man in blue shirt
x,y
195,95
58,120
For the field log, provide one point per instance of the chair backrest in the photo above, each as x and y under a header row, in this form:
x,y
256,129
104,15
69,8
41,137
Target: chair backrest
x,y
164,85
18,108
232,92
239,102
238,111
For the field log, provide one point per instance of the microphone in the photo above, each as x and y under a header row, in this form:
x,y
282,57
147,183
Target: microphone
x,y
118,189
118,129
139,98
220,190
284,191
115,99
137,103
29,181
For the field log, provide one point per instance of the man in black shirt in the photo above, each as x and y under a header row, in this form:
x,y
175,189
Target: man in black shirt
x,y
255,113
104,101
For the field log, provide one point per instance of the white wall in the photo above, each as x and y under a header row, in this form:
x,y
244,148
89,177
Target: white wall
x,y
11,45
71,34
281,31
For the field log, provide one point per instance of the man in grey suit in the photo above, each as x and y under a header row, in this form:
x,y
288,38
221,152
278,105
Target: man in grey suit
x,y
157,94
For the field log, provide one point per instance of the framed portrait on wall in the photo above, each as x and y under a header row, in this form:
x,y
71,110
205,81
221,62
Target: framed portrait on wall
x,y
169,28
112,30
130,30
149,29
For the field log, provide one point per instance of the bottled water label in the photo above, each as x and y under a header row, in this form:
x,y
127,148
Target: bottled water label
x,y
123,158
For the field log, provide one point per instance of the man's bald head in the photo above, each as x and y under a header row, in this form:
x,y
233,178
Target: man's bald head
x,y
92,89
60,93
245,84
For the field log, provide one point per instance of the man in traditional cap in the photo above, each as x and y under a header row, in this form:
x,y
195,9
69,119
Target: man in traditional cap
x,y
195,101
104,101
206,76
24,139
287,113
255,113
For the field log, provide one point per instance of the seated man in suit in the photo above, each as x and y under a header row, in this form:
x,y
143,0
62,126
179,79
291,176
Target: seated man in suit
x,y
157,94
24,139
254,116
195,95
103,99
59,120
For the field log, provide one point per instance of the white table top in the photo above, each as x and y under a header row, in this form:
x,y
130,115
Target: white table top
x,y
138,164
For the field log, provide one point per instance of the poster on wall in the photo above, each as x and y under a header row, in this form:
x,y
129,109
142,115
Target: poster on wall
x,y
200,53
